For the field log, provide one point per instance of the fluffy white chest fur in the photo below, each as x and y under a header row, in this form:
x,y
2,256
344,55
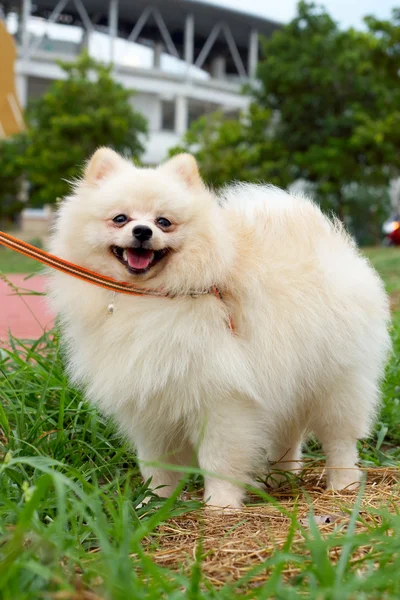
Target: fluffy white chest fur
x,y
311,321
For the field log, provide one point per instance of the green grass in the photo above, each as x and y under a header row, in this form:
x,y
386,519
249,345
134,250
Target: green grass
x,y
12,262
70,493
387,262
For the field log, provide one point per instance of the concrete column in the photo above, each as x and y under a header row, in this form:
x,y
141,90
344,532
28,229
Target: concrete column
x,y
157,118
252,58
21,78
181,115
188,52
21,83
112,27
158,49
85,40
26,13
218,67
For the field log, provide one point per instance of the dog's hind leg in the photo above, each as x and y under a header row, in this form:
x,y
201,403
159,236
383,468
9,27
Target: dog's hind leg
x,y
344,417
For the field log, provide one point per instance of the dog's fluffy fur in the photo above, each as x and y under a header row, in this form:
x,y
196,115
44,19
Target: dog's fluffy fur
x,y
311,319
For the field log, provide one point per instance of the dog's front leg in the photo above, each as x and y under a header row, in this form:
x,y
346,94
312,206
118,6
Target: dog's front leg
x,y
227,451
154,451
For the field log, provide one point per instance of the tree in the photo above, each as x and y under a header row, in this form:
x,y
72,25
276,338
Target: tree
x,y
12,151
325,110
74,117
242,149
330,88
379,130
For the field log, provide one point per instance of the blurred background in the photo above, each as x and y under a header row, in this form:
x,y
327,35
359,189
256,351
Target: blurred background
x,y
302,95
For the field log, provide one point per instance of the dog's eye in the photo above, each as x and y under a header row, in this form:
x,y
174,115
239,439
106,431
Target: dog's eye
x,y
120,219
164,223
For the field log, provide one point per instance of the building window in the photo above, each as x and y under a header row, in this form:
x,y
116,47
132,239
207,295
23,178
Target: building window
x,y
167,115
199,109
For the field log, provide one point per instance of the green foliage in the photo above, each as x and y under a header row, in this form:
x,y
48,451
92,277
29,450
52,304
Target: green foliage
x,y
325,110
11,177
379,130
75,116
333,91
237,149
365,209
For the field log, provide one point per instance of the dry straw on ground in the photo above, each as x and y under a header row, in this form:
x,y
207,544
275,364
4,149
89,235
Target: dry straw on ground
x,y
234,543
395,300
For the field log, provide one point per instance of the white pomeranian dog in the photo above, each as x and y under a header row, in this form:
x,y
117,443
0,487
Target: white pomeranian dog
x,y
311,323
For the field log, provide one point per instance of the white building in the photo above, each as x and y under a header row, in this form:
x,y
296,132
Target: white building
x,y
184,58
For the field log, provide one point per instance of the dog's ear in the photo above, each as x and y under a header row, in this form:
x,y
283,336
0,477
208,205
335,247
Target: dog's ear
x,y
103,162
185,166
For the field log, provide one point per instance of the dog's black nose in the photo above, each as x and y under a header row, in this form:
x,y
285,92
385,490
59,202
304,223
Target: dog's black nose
x,y
142,233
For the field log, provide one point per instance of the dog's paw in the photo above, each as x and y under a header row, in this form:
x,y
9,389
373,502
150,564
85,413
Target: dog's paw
x,y
223,501
343,480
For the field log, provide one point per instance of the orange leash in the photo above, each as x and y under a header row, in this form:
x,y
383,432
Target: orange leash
x,y
108,283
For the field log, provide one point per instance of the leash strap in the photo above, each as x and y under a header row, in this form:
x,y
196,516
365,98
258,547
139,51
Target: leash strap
x,y
108,283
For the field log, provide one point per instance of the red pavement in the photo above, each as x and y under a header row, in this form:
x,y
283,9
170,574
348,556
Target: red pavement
x,y
27,317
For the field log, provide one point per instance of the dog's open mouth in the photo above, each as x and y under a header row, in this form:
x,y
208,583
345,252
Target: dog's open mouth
x,y
138,260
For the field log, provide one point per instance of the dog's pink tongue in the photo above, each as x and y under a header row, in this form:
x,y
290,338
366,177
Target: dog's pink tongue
x,y
139,260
